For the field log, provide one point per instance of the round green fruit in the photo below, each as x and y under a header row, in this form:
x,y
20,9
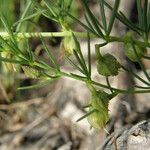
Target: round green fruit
x,y
69,45
132,54
98,118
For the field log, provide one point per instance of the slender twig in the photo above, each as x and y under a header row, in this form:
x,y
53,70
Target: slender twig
x,y
108,83
22,35
135,75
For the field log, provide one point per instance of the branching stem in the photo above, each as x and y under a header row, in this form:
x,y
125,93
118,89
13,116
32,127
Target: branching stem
x,y
78,34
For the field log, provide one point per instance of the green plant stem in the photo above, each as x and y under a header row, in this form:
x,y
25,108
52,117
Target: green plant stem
x,y
24,14
129,91
84,79
135,75
78,34
141,87
108,83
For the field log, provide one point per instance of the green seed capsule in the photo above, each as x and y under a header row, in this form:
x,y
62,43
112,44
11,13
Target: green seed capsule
x,y
99,103
104,97
131,54
69,45
98,118
100,100
31,72
107,65
97,114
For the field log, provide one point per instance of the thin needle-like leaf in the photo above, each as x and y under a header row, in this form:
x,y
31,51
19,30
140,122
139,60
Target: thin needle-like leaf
x,y
38,85
86,115
113,16
102,11
80,54
73,18
47,13
75,65
92,18
129,24
62,4
148,18
89,55
78,76
90,26
50,8
135,75
50,55
119,17
139,9
80,62
145,18
12,47
10,60
141,87
82,24
86,106
24,15
69,5
29,17
146,57
7,26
